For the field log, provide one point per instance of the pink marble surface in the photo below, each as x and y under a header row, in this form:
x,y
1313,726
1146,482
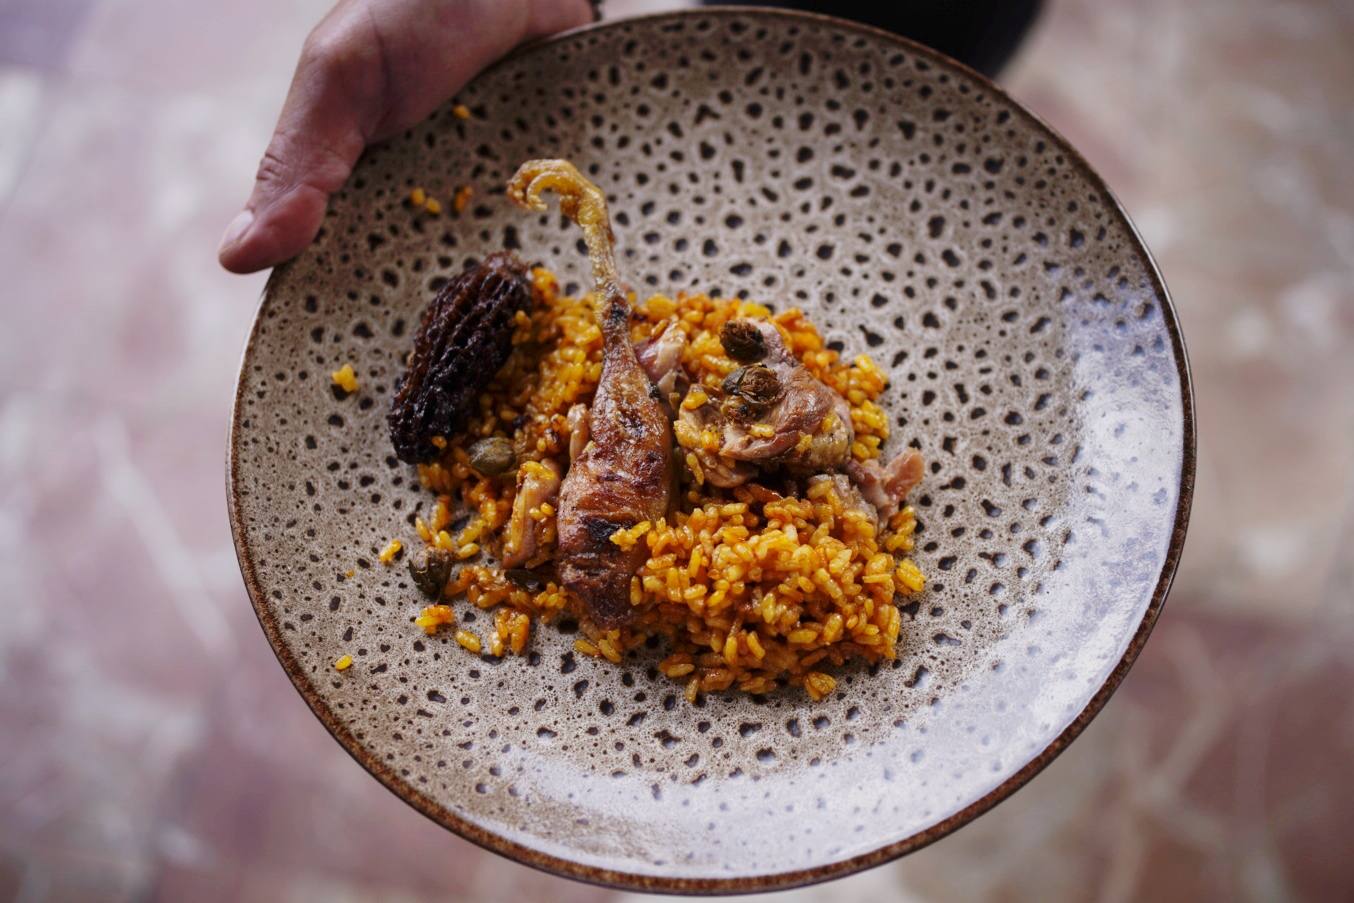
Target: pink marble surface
x,y
152,747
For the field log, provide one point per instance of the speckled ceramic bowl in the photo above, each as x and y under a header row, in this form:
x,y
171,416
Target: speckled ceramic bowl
x,y
919,215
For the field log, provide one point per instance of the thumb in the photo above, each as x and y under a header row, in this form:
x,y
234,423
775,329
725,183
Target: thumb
x,y
334,101
366,71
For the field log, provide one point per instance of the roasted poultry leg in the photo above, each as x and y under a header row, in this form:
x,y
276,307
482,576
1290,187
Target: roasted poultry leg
x,y
624,474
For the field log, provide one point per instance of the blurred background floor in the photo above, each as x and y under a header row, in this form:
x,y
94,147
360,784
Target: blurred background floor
x,y
153,749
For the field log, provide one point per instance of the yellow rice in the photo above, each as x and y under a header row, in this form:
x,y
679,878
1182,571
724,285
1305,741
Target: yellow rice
x,y
747,590
345,378
389,553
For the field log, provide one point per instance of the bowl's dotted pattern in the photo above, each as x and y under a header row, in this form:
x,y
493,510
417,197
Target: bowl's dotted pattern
x,y
917,217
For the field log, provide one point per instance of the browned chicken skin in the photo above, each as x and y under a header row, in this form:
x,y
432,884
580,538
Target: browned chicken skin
x,y
624,474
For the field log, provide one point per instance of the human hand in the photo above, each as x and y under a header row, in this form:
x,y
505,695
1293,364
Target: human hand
x,y
369,70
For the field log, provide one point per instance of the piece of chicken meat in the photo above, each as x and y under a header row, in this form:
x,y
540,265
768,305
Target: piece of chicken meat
x,y
716,469
577,420
772,411
537,484
661,357
624,474
887,486
848,492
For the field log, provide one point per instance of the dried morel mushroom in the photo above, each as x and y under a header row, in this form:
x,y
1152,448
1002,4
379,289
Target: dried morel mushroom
x,y
465,336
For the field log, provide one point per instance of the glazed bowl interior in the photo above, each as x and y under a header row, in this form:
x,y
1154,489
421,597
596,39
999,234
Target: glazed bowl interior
x,y
917,215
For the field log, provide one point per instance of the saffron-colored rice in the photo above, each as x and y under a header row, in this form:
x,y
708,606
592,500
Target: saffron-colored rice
x,y
345,378
391,550
746,589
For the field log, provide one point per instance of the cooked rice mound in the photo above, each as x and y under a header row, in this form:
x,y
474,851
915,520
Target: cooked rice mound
x,y
743,588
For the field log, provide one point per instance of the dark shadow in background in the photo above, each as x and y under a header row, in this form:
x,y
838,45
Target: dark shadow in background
x,y
982,34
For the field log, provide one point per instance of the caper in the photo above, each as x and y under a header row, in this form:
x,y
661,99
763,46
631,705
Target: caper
x,y
492,456
430,567
528,580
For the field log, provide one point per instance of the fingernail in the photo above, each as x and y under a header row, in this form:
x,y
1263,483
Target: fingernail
x,y
237,228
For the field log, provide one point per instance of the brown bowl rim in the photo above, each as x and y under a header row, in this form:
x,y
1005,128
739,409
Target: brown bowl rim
x,y
623,880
